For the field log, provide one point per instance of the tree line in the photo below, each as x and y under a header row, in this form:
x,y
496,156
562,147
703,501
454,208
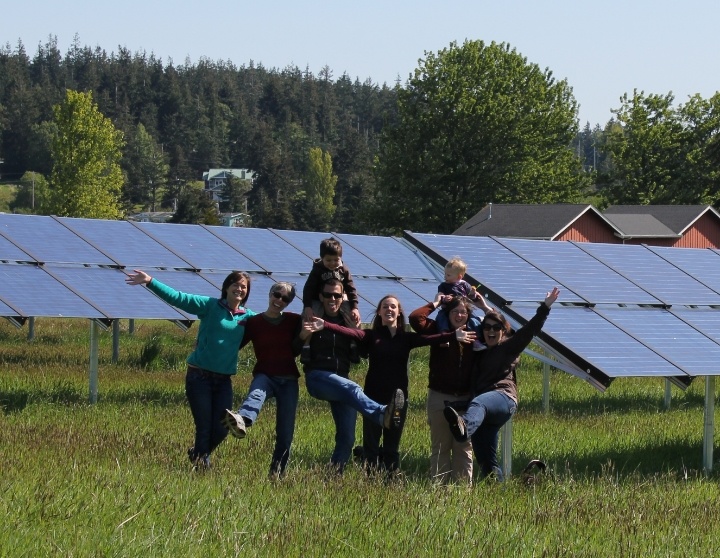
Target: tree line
x,y
475,123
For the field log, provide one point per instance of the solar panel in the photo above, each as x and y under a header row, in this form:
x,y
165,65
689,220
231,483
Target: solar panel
x,y
269,250
617,355
390,253
497,268
199,247
32,292
126,244
106,290
372,289
657,276
705,320
11,253
670,337
47,240
576,270
700,263
6,311
426,290
309,244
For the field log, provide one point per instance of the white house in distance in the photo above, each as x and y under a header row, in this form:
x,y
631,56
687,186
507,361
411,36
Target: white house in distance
x,y
216,179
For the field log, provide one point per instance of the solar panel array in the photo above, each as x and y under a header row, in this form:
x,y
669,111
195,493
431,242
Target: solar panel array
x,y
80,265
625,310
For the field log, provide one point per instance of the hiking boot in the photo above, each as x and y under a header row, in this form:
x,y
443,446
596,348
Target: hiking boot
x,y
305,355
200,463
393,411
457,424
235,423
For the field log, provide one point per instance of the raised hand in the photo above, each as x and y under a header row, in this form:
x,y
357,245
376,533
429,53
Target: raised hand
x,y
138,278
552,296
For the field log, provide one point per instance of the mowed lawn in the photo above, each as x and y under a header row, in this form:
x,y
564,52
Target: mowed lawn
x,y
112,479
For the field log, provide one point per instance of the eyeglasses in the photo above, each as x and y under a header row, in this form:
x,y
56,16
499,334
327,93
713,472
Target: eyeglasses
x,y
286,299
494,327
336,296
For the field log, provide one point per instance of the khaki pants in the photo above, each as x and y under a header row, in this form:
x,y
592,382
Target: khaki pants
x,y
449,459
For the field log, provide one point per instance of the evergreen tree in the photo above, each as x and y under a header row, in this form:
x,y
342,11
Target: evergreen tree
x,y
234,195
195,207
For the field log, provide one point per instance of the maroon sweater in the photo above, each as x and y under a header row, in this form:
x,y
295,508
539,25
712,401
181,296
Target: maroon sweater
x,y
388,356
450,367
273,344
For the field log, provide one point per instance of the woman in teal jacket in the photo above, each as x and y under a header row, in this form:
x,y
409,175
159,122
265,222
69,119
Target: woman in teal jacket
x,y
207,384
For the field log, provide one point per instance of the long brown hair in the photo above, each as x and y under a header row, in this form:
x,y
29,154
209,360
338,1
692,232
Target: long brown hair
x,y
377,322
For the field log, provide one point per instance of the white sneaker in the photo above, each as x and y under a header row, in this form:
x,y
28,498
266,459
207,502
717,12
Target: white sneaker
x,y
235,423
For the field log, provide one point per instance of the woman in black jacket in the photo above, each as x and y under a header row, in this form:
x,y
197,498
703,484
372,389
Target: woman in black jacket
x,y
495,385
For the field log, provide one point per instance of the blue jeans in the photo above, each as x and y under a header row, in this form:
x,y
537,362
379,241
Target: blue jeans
x,y
346,400
484,417
285,391
208,394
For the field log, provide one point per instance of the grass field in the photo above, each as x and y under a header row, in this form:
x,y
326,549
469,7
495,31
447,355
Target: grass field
x,y
112,479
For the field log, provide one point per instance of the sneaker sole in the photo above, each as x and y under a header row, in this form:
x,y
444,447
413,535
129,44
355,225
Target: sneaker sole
x,y
231,423
397,404
453,418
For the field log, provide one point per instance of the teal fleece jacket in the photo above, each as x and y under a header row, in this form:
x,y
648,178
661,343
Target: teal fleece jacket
x,y
220,332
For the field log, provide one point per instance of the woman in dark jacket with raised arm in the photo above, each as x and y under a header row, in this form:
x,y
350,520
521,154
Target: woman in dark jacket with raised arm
x,y
495,385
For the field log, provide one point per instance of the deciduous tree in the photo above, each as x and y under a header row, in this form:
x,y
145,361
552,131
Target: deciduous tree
x,y
320,188
477,123
86,179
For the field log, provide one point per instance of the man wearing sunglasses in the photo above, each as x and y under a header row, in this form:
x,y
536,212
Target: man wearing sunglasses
x,y
326,378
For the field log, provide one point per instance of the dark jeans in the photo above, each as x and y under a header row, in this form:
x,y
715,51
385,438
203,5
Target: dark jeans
x,y
209,394
484,417
372,434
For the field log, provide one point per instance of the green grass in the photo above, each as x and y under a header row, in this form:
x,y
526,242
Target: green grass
x,y
112,479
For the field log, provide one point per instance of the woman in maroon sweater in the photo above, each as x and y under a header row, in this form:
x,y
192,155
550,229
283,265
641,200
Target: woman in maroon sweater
x,y
388,347
275,373
448,383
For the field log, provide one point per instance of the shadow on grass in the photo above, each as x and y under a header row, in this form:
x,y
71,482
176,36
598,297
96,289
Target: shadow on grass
x,y
17,400
677,458
616,404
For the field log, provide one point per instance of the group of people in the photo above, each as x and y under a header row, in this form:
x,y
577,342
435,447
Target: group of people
x,y
472,387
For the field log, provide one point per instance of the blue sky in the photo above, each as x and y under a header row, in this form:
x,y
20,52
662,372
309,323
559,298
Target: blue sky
x,y
603,49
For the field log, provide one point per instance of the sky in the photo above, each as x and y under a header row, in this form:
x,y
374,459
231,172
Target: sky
x,y
603,49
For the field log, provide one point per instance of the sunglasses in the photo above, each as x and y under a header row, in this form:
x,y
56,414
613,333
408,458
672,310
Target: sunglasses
x,y
286,299
336,296
494,327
